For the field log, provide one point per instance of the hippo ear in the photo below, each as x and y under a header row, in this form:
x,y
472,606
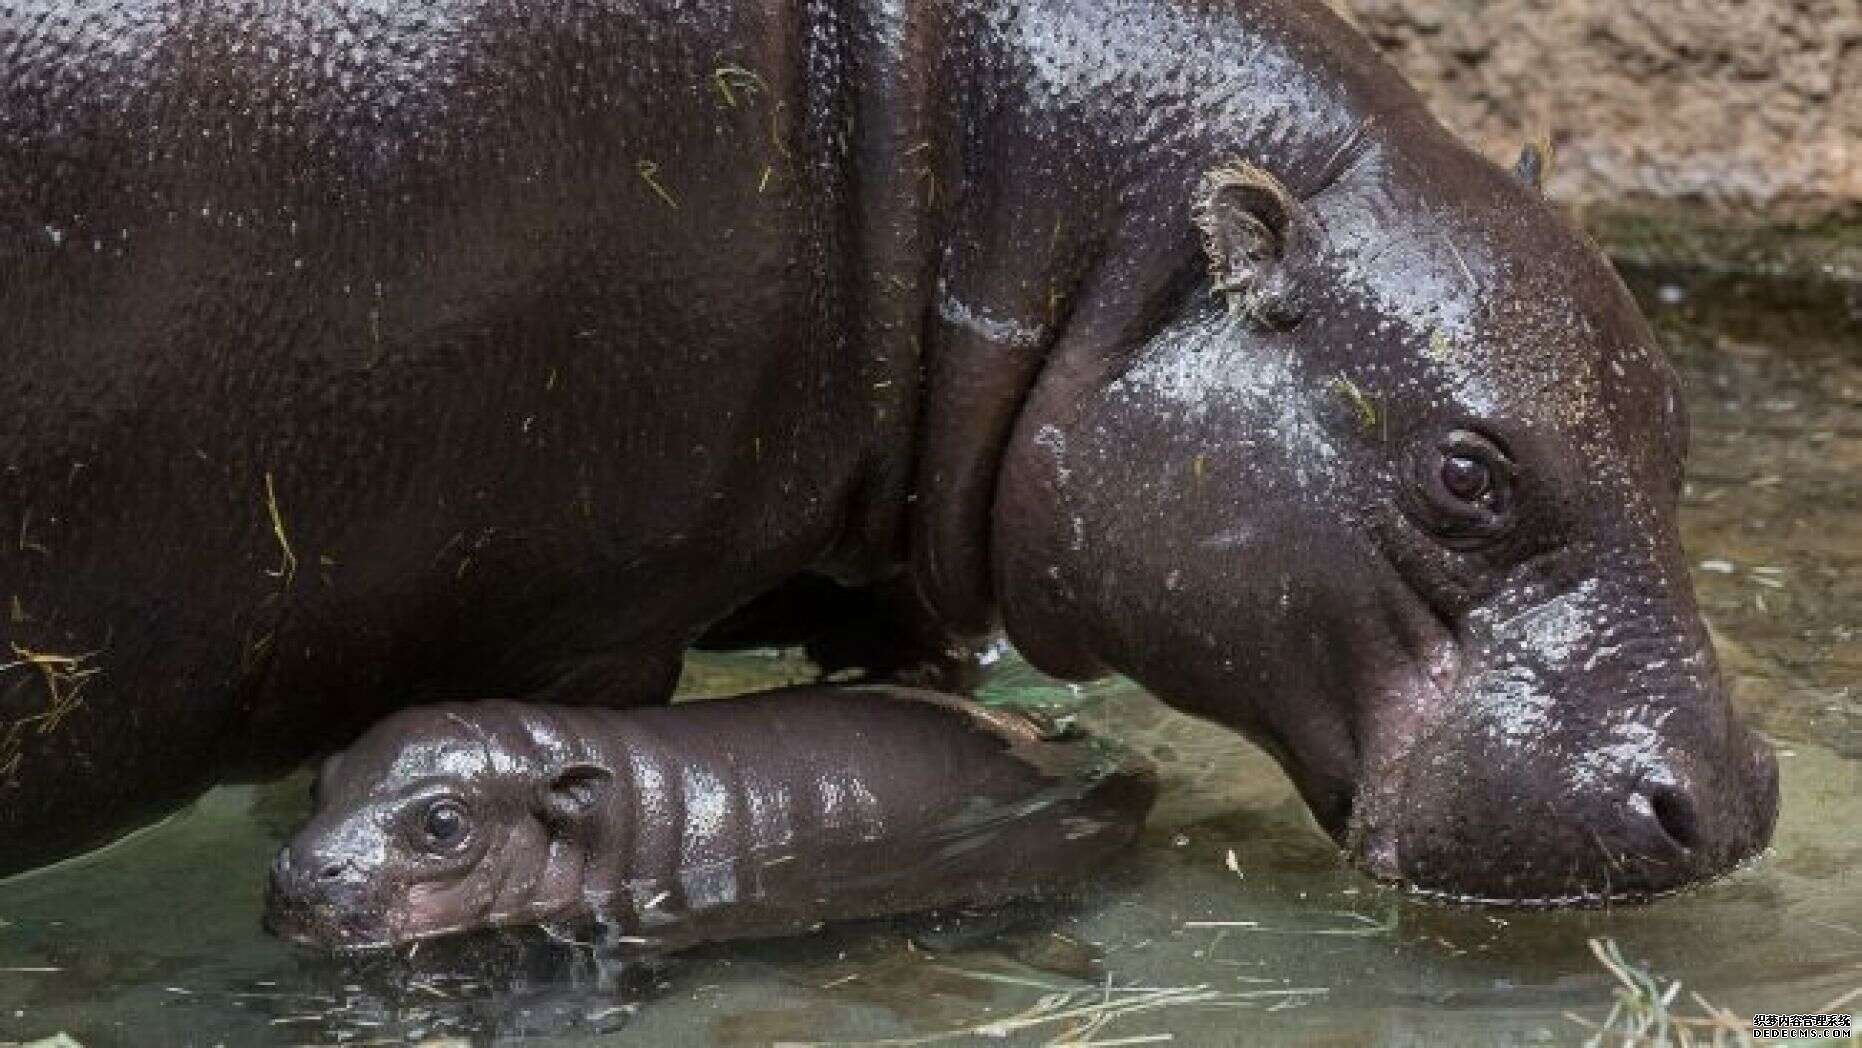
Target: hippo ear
x,y
1248,220
1534,163
574,793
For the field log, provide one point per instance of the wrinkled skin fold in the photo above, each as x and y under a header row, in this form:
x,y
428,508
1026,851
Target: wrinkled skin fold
x,y
360,354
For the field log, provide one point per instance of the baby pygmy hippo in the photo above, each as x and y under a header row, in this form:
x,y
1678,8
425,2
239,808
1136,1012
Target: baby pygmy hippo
x,y
753,816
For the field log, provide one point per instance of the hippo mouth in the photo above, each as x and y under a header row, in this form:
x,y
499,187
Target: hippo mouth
x,y
326,927
348,933
1481,813
1575,895
1626,879
347,927
1579,900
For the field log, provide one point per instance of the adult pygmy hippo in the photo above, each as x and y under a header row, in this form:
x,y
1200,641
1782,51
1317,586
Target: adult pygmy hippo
x,y
717,820
355,353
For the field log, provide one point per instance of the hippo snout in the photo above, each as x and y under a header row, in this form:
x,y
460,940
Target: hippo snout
x,y
1728,815
315,896
1664,815
307,875
1475,821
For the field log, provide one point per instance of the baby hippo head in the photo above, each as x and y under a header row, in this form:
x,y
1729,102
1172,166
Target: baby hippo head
x,y
441,819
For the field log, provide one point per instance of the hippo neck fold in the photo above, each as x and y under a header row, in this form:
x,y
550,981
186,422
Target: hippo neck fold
x,y
1063,254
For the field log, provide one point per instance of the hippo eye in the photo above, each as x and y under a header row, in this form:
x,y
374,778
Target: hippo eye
x,y
1466,487
1466,477
444,822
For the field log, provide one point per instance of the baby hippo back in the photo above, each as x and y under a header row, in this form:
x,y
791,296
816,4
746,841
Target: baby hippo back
x,y
770,815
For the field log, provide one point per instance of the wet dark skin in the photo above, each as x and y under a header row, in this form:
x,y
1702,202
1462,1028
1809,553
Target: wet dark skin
x,y
667,827
360,355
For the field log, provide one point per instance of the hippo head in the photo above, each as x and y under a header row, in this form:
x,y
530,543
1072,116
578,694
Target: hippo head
x,y
438,819
1391,485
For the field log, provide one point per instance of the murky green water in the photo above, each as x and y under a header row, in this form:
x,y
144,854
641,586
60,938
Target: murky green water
x,y
1236,924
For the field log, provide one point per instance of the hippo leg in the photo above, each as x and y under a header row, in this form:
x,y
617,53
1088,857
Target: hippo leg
x,y
875,634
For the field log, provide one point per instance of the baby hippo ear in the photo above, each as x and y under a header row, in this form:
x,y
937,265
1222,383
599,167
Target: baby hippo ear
x,y
1249,222
574,793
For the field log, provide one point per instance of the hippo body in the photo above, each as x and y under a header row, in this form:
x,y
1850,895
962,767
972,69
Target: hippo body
x,y
699,822
360,354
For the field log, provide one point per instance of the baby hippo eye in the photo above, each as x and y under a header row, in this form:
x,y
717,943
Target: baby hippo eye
x,y
444,822
1466,477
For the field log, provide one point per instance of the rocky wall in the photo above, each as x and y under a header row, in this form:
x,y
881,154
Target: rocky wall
x,y
1746,109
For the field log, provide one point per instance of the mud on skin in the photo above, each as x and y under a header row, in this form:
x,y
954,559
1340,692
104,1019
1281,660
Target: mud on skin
x,y
733,818
359,355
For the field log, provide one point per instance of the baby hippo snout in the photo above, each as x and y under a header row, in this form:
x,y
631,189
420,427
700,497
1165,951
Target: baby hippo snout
x,y
310,893
315,878
299,873
760,815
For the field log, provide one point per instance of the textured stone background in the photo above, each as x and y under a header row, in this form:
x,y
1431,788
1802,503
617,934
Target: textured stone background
x,y
1752,107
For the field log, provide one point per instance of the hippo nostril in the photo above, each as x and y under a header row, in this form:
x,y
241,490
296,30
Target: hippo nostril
x,y
1674,810
332,871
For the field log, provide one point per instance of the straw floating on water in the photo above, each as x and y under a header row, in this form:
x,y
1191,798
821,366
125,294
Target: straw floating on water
x,y
1093,1007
